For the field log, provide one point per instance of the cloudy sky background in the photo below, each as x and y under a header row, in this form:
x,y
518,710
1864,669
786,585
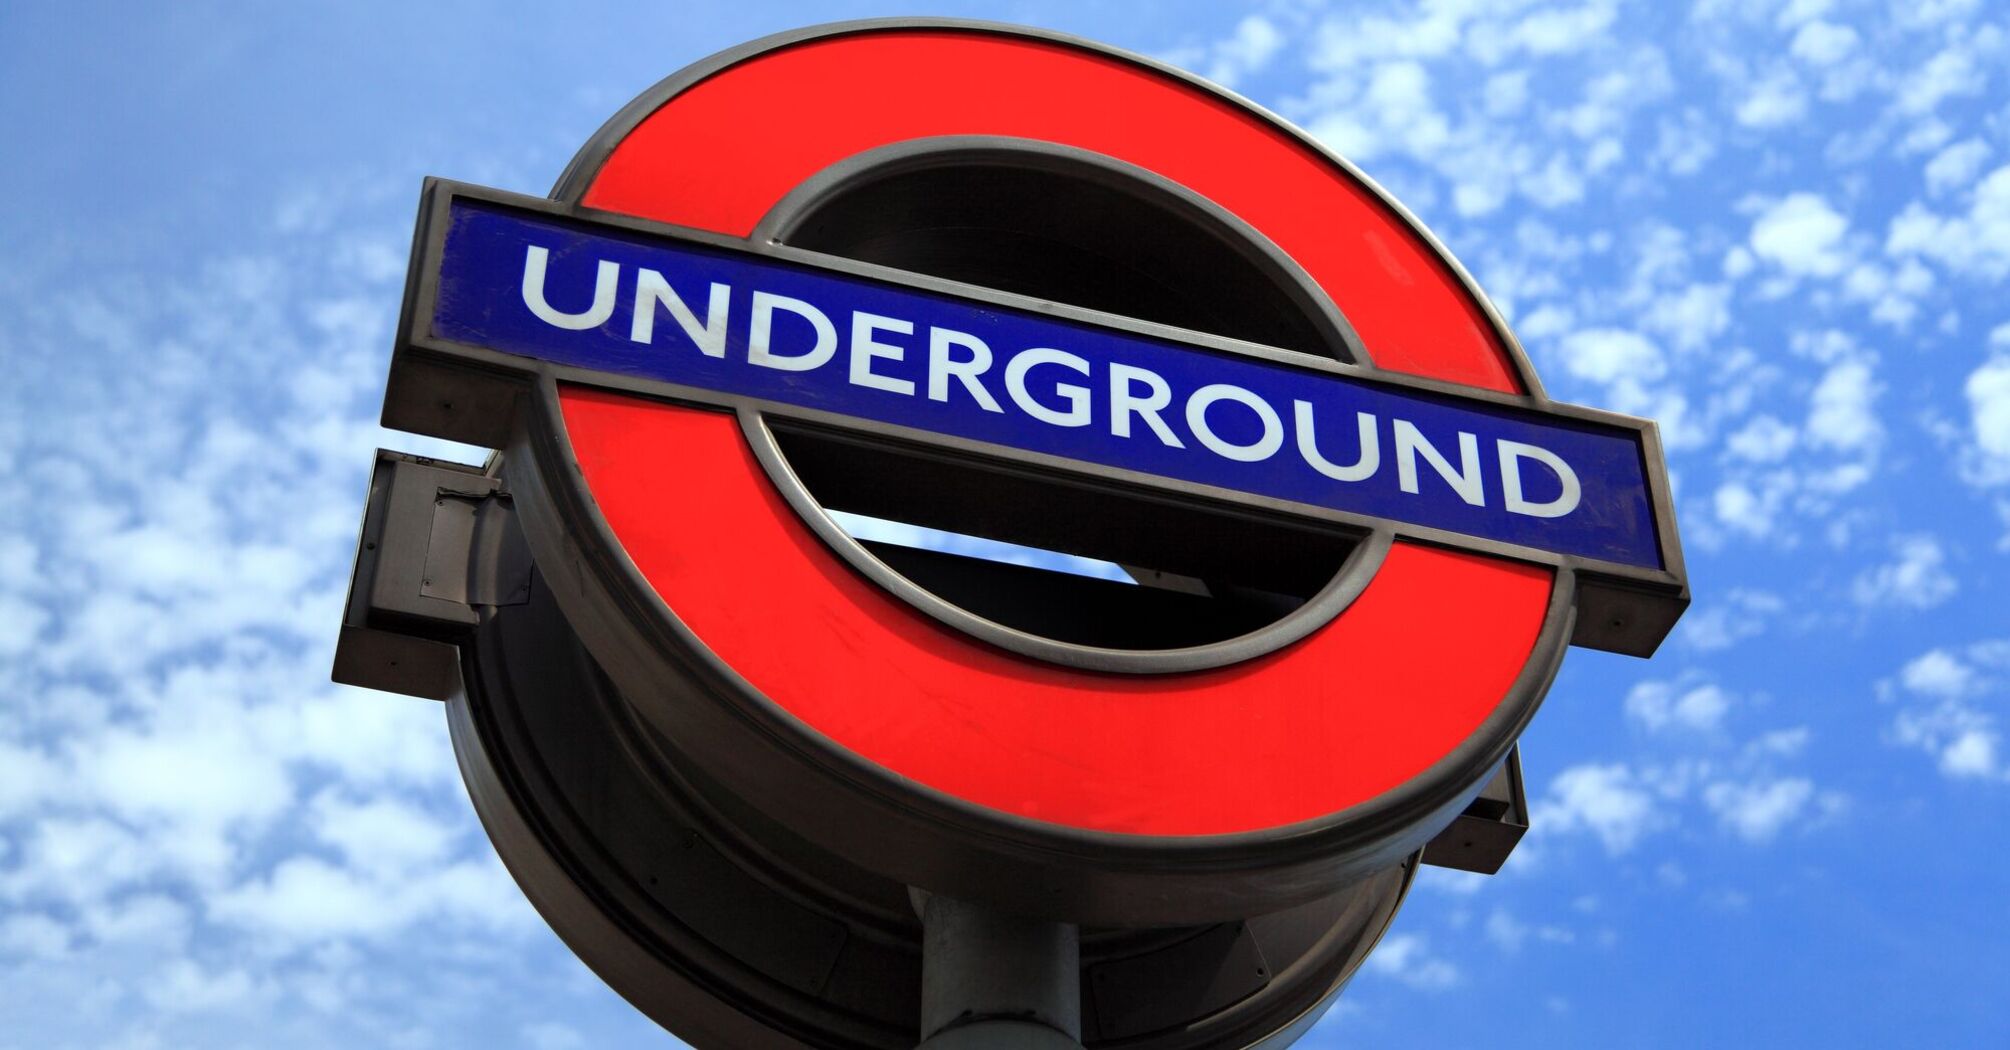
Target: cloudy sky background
x,y
1783,230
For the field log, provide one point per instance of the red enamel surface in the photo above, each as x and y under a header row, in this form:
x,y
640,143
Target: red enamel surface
x,y
1405,675
1350,712
722,153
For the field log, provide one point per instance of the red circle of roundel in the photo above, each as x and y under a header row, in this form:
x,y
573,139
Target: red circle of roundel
x,y
1400,679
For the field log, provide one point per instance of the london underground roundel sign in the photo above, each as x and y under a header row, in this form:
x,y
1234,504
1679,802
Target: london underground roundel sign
x,y
1013,286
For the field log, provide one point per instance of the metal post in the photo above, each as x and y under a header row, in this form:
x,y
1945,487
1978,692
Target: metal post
x,y
991,981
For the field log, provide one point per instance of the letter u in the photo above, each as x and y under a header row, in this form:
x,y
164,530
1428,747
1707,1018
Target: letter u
x,y
1308,446
535,259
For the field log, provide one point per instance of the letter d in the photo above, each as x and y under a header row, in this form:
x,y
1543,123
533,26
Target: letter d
x,y
1512,453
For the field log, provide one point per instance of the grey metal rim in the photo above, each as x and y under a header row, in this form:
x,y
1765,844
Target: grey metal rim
x,y
854,806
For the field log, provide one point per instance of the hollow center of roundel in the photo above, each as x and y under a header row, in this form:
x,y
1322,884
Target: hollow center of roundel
x,y
1087,564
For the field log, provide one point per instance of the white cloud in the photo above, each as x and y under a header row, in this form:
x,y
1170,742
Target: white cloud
x,y
1823,43
1397,90
1757,811
152,919
1556,184
1507,93
311,899
1506,931
1802,235
1955,166
1721,621
386,836
1560,29
1510,934
21,623
1763,440
307,900
1683,145
1247,51
79,860
1947,696
1346,43
1795,12
369,739
1929,14
1975,243
1840,413
1751,511
28,776
1927,135
1739,784
1938,673
1892,294
1785,743
1398,94
1949,73
18,555
1407,957
1544,322
169,741
1916,577
1738,262
1608,800
34,935
1666,705
187,986
1963,739
1972,754
205,771
550,1035
1691,318
1988,392
1775,100
1608,355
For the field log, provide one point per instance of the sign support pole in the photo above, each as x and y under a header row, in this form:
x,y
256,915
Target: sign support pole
x,y
992,981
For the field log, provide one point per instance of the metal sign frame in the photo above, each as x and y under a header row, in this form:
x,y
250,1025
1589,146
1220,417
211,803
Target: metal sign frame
x,y
852,805
745,877
1637,604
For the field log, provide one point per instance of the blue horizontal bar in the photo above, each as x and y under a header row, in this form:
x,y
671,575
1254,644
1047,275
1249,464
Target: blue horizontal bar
x,y
741,324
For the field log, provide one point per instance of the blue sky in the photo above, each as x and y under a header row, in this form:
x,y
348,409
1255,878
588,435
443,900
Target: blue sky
x,y
1781,229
